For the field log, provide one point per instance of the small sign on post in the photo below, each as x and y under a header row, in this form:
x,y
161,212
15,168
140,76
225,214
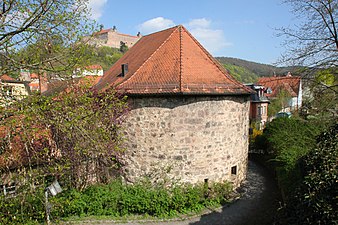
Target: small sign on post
x,y
54,189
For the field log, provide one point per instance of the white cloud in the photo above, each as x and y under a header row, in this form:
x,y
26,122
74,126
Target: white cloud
x,y
198,23
212,39
96,7
155,24
201,28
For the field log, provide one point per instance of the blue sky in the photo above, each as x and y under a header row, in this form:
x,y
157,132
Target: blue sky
x,y
242,29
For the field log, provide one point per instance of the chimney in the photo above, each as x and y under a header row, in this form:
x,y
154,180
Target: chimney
x,y
124,69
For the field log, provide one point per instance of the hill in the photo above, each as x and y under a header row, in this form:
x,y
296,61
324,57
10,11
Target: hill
x,y
241,73
247,71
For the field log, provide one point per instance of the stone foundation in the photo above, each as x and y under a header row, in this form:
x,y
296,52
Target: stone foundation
x,y
187,138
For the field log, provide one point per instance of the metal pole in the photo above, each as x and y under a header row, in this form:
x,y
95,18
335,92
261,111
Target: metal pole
x,y
46,205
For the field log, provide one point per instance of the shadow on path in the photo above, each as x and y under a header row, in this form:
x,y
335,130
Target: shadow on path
x,y
257,206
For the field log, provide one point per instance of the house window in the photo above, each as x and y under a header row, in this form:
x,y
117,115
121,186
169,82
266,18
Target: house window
x,y
8,189
234,170
259,110
8,90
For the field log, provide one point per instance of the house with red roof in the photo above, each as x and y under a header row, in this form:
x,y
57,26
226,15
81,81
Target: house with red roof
x,y
291,85
188,116
11,89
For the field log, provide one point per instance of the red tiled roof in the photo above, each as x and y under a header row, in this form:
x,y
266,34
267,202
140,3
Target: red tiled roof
x,y
34,76
58,86
94,67
170,62
103,31
291,84
6,78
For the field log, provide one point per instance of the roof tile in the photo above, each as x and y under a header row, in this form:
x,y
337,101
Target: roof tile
x,y
291,84
168,62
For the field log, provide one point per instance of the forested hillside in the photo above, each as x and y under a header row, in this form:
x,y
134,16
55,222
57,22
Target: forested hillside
x,y
261,70
241,74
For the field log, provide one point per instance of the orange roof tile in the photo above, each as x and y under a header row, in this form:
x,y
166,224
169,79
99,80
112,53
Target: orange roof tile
x,y
169,62
94,67
34,76
103,31
291,84
6,78
58,86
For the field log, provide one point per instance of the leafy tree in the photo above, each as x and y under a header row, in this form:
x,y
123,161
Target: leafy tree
x,y
280,102
104,56
123,47
42,35
321,105
74,136
314,42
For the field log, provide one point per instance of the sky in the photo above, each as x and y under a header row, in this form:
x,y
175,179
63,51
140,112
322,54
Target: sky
x,y
244,29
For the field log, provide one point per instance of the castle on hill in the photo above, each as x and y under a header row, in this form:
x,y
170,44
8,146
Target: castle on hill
x,y
111,38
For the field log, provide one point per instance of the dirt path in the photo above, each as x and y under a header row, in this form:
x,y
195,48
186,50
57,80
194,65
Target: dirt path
x,y
257,206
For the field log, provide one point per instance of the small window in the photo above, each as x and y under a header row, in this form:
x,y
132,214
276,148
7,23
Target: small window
x,y
8,190
234,170
206,183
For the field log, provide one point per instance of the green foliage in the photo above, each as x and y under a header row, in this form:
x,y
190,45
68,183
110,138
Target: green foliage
x,y
241,74
104,56
117,200
316,200
261,70
64,136
280,102
286,141
326,76
23,209
321,105
43,35
123,47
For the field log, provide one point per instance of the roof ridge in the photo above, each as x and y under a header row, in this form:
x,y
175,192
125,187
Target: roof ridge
x,y
216,63
128,35
165,41
162,30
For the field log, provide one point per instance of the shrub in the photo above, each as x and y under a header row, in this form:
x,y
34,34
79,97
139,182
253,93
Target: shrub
x,y
315,200
286,141
116,199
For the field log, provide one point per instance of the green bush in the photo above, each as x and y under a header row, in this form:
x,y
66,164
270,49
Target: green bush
x,y
285,141
315,200
23,209
116,199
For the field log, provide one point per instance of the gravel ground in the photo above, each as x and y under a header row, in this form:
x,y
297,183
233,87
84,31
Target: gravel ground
x,y
257,206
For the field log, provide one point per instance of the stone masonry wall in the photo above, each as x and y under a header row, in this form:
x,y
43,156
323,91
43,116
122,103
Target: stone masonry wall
x,y
190,138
